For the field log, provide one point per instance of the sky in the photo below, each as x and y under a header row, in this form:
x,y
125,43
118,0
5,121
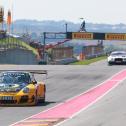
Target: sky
x,y
94,11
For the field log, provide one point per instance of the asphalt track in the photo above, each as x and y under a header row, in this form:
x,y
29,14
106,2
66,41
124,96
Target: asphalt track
x,y
64,82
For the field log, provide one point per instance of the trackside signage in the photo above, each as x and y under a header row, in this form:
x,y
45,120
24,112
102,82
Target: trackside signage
x,y
84,35
115,36
96,36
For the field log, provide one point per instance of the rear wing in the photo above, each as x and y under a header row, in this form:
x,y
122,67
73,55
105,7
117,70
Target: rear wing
x,y
30,71
37,71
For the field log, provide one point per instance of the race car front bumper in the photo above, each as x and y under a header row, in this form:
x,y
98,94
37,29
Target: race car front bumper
x,y
117,61
17,100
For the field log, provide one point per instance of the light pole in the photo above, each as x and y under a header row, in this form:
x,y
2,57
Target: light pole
x,y
66,27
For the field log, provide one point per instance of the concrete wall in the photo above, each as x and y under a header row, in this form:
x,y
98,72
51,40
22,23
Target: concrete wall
x,y
17,56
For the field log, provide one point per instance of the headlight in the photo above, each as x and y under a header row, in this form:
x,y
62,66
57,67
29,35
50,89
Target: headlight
x,y
110,58
26,90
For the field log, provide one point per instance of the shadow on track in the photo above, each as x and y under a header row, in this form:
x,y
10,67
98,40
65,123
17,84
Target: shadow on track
x,y
46,103
39,104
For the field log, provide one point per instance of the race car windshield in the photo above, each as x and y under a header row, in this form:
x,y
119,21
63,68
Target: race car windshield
x,y
116,54
15,78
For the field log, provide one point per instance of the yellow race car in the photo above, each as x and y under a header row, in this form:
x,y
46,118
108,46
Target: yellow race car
x,y
21,88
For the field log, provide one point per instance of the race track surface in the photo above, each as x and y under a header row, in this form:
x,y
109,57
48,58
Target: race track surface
x,y
64,82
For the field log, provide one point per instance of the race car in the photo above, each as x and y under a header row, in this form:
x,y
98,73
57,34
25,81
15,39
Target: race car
x,y
21,88
117,57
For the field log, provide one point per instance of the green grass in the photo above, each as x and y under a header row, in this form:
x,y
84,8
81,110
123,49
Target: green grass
x,y
30,48
89,61
13,42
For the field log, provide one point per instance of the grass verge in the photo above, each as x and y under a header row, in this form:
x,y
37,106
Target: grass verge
x,y
89,61
13,41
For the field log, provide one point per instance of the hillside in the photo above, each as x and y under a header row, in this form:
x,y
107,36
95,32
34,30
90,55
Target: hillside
x,y
34,26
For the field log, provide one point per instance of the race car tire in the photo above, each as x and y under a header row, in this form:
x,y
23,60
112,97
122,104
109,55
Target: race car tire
x,y
42,100
109,64
36,101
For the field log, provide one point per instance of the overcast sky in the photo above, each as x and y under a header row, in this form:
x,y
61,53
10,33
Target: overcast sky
x,y
96,11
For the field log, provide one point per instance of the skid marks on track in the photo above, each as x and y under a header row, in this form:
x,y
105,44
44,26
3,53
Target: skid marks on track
x,y
39,122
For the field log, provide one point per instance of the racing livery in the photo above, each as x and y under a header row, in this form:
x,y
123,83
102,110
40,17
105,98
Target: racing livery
x,y
21,88
117,57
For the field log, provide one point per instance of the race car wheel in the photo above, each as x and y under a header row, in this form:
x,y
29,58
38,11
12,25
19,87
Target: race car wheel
x,y
42,100
109,64
36,101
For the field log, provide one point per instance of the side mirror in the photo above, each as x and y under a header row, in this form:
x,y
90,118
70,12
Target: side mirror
x,y
34,82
